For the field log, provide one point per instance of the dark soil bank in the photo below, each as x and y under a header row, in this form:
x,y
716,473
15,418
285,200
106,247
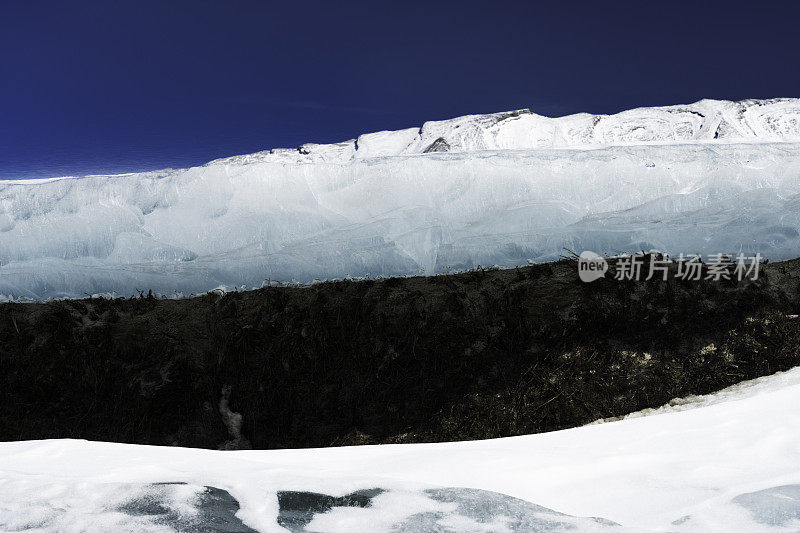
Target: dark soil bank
x,y
465,356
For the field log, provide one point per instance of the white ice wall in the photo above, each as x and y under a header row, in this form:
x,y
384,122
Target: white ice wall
x,y
245,219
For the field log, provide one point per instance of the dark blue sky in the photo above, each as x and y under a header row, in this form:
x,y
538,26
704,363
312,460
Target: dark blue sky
x,y
112,86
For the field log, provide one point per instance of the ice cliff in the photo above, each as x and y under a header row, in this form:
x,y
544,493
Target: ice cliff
x,y
504,189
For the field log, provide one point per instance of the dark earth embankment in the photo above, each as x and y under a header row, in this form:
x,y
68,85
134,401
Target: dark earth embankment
x,y
481,354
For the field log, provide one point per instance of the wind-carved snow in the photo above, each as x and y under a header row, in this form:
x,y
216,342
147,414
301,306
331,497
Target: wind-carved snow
x,y
501,189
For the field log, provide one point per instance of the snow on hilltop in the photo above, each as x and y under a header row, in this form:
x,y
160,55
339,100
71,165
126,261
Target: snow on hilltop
x,y
711,177
708,120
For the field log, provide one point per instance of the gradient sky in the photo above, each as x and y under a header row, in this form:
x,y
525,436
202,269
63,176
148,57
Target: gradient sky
x,y
106,86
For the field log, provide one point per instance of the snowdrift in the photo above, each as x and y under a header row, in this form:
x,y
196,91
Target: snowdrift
x,y
505,189
730,464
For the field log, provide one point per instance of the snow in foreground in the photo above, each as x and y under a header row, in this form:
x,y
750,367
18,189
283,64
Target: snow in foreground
x,y
730,463
504,189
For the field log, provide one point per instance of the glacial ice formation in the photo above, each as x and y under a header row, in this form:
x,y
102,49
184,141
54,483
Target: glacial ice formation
x,y
505,189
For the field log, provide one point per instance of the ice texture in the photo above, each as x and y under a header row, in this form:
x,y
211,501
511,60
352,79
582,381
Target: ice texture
x,y
775,506
447,509
486,511
170,507
121,507
297,508
503,189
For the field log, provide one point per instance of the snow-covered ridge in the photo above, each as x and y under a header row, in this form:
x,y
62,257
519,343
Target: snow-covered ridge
x,y
772,120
